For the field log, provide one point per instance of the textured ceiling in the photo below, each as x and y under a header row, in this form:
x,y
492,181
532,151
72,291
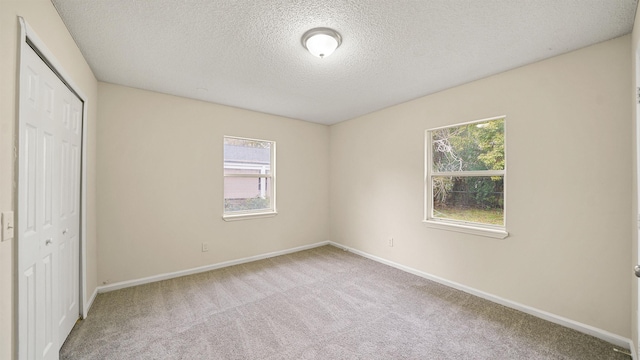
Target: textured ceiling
x,y
248,53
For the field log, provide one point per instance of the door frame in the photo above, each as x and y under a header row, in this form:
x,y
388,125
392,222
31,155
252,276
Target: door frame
x,y
635,300
28,37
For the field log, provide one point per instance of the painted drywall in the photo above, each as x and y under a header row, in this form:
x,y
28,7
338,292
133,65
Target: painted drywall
x,y
635,54
569,175
43,18
160,184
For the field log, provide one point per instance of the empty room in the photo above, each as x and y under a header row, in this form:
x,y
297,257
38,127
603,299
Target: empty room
x,y
283,179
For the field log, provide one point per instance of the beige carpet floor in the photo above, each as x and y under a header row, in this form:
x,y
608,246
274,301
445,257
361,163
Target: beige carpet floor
x,y
322,303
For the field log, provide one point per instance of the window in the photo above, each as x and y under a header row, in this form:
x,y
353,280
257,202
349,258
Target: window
x,y
465,178
249,178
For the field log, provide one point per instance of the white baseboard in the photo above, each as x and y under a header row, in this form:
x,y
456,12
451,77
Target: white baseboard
x,y
584,328
166,276
87,306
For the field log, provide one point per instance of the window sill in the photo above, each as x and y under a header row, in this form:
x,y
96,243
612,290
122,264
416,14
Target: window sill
x,y
467,229
236,217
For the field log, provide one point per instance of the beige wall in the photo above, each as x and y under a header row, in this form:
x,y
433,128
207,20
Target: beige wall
x,y
44,20
160,184
569,155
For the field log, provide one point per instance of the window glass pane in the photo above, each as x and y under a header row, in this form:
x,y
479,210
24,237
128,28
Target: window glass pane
x,y
478,199
244,156
471,147
246,193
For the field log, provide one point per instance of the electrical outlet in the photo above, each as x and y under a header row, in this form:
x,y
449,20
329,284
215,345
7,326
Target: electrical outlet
x,y
7,225
391,242
205,247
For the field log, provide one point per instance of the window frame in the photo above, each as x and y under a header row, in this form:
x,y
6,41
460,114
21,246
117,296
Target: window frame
x,y
487,230
251,214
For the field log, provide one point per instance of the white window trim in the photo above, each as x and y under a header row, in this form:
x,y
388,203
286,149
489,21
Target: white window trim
x,y
253,214
467,228
498,232
249,215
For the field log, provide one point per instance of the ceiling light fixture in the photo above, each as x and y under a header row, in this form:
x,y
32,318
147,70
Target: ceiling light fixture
x,y
321,42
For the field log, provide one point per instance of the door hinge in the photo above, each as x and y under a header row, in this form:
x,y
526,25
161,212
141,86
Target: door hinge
x,y
638,95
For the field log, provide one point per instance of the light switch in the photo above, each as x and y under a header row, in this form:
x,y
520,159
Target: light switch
x,y
7,225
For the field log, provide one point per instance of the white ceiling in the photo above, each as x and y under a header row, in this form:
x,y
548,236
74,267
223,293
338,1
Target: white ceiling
x,y
247,53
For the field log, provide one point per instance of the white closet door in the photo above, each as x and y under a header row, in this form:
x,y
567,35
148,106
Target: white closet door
x,y
68,244
48,214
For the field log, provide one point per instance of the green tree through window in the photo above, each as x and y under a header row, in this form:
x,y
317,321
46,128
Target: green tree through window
x,y
466,174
